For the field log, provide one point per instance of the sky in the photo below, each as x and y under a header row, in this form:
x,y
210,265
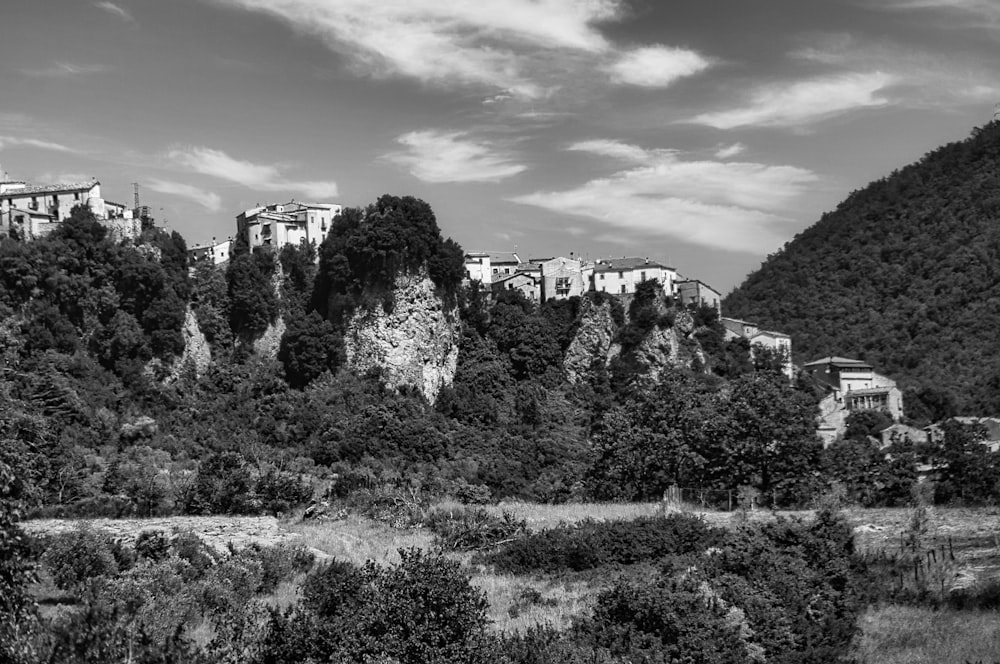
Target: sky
x,y
703,134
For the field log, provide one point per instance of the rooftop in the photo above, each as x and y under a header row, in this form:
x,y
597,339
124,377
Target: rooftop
x,y
52,188
838,362
625,263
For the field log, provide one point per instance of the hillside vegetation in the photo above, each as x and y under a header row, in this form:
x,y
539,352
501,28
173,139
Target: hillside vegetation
x,y
904,274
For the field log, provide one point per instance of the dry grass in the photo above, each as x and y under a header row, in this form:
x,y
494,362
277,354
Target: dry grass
x,y
540,516
908,635
358,540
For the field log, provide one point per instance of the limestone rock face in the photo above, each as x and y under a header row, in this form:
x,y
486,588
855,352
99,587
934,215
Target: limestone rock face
x,y
416,344
659,351
594,340
197,355
267,344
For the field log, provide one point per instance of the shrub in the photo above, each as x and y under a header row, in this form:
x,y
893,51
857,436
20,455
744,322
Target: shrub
x,y
152,545
75,557
471,529
591,544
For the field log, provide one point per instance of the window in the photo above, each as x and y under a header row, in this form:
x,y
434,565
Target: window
x,y
602,276
34,203
621,275
76,196
623,288
642,276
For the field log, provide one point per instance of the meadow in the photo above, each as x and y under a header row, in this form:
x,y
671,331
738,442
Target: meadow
x,y
890,634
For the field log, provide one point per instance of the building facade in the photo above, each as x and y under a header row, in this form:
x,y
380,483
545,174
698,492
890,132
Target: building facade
x,y
622,275
776,341
526,283
34,210
562,278
286,223
854,386
696,292
216,253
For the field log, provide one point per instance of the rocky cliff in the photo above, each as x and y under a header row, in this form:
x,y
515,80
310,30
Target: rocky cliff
x,y
197,355
594,341
414,344
597,341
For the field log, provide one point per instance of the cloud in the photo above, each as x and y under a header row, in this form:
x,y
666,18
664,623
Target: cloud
x,y
921,78
63,177
436,156
261,177
803,102
487,43
64,70
728,151
207,199
657,66
115,10
975,13
734,206
14,142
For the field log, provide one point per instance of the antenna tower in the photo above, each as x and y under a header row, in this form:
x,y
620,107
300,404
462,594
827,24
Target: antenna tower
x,y
135,190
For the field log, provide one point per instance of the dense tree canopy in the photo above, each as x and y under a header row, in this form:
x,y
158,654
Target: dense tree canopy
x,y
904,274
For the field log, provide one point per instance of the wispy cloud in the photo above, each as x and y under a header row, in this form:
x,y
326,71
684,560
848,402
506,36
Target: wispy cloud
x,y
657,66
64,70
437,156
803,102
262,177
207,199
921,78
526,49
972,13
116,10
735,206
452,42
729,151
15,142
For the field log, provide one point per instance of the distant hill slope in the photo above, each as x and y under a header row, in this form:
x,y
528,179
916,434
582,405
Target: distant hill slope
x,y
904,274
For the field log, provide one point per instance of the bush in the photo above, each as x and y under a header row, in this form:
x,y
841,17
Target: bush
x,y
153,545
472,529
77,556
422,610
591,544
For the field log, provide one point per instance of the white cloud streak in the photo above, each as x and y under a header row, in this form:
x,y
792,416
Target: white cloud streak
x,y
437,156
657,66
728,151
64,70
260,177
15,142
116,10
734,206
207,199
803,102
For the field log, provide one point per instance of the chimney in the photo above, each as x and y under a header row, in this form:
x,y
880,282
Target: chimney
x,y
647,260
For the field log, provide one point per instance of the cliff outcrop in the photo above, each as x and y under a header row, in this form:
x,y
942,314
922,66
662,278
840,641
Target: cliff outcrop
x,y
650,348
594,341
197,355
416,343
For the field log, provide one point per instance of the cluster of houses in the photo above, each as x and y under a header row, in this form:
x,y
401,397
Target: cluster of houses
x,y
31,211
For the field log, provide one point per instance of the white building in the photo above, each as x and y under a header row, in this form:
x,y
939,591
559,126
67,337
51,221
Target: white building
x,y
778,341
287,223
623,275
215,253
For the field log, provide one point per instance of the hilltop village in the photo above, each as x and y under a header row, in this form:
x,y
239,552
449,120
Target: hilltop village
x,y
30,211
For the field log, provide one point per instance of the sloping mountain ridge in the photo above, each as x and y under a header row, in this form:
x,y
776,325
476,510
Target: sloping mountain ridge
x,y
905,274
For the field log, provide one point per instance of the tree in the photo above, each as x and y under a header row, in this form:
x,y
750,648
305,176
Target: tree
x,y
253,305
309,347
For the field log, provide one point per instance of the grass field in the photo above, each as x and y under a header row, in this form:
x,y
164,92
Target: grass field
x,y
891,634
908,635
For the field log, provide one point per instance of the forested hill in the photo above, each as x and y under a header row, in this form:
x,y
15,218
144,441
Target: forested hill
x,y
905,274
